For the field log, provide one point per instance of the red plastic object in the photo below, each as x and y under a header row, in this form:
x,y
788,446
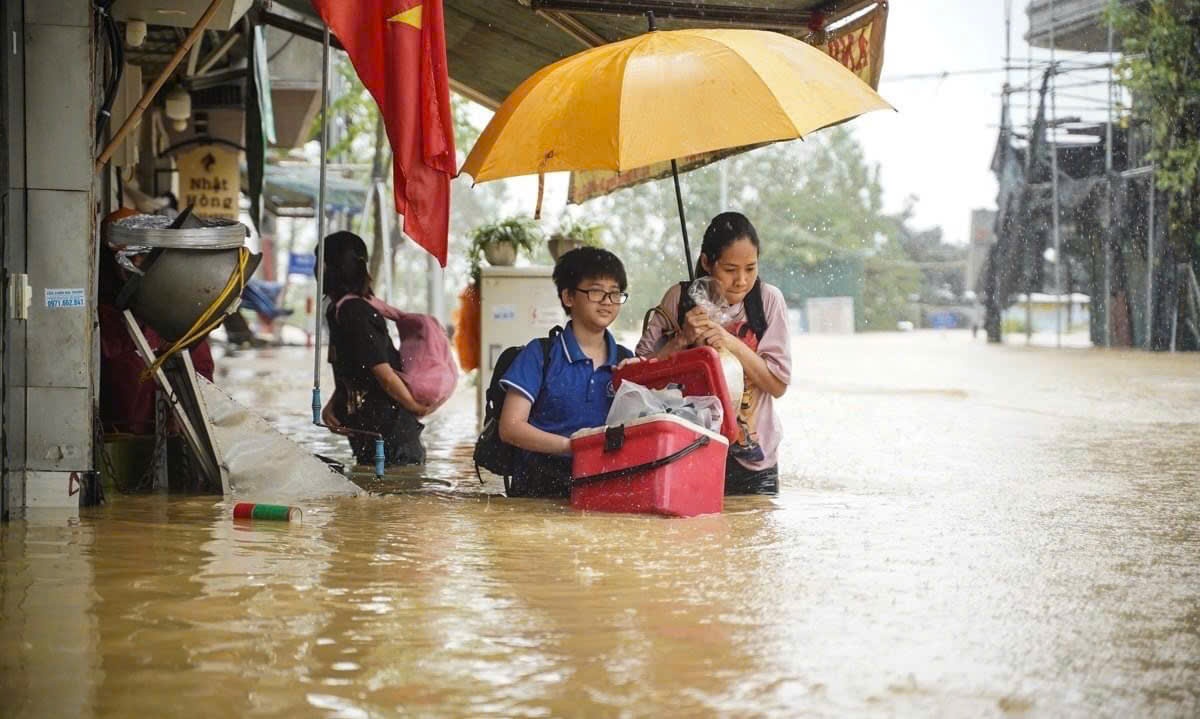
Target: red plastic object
x,y
697,371
693,483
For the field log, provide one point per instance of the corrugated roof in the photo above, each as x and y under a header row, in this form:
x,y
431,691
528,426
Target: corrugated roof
x,y
493,45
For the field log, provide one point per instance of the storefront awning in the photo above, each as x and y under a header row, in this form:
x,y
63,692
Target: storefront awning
x,y
292,191
493,45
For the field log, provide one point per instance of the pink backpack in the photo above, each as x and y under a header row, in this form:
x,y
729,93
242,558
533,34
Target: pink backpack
x,y
429,368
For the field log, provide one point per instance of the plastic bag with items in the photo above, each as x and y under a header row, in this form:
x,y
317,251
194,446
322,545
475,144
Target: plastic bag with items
x,y
708,295
706,292
634,401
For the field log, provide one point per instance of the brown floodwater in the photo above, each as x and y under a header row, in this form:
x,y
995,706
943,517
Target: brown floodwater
x,y
962,530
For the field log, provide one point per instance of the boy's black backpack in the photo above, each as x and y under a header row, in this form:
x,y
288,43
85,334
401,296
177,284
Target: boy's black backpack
x,y
492,453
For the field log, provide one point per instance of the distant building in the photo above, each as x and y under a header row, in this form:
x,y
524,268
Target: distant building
x,y
1077,24
1073,311
983,236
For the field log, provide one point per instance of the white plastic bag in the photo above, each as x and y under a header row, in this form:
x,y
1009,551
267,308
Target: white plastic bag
x,y
634,401
708,295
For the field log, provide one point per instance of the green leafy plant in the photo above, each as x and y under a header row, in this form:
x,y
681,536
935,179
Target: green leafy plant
x,y
1161,68
583,231
522,232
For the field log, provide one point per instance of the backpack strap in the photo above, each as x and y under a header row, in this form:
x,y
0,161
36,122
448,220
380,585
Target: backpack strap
x,y
756,316
337,308
686,303
547,343
671,327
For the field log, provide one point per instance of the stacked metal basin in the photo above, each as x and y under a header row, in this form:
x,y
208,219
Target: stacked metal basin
x,y
185,271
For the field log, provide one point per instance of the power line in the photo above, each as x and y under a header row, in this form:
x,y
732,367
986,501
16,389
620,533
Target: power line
x,y
954,73
1063,67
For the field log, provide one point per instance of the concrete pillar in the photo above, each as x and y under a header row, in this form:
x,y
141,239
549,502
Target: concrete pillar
x,y
50,373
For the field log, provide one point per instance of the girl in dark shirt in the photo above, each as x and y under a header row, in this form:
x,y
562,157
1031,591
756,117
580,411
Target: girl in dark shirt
x,y
368,394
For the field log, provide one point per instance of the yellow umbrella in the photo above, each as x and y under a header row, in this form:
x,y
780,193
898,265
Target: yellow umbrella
x,y
666,95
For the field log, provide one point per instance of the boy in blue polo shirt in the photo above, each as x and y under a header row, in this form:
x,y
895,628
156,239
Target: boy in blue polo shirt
x,y
539,416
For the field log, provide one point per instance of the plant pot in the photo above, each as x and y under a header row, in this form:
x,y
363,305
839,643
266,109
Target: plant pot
x,y
500,254
560,245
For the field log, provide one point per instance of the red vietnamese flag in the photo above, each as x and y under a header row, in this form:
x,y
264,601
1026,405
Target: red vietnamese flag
x,y
398,48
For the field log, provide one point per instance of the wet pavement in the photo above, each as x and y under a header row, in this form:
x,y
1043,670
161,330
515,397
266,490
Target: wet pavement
x,y
962,530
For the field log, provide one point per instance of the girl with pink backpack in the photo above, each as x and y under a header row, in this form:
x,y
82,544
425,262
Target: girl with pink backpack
x,y
379,389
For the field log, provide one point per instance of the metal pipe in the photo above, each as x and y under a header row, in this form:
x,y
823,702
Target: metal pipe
x,y
316,393
148,96
1058,258
1150,270
207,63
1108,175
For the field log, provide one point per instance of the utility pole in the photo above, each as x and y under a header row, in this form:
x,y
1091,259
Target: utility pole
x,y
1108,176
1028,165
1058,258
723,175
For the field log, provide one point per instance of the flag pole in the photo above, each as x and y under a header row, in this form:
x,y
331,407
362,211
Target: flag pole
x,y
316,393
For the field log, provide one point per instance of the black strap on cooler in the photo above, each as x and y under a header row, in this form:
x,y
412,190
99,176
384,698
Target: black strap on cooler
x,y
637,468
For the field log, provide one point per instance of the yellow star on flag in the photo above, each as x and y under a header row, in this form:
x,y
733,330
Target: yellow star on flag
x,y
412,17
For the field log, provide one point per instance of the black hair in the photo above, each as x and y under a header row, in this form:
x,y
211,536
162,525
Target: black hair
x,y
587,263
724,230
345,266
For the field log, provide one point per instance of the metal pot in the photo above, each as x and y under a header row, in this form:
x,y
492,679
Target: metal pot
x,y
179,285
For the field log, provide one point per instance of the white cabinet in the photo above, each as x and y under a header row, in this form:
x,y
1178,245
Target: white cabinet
x,y
516,305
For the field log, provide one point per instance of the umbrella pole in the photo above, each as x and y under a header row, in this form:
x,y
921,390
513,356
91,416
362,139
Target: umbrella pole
x,y
687,249
316,392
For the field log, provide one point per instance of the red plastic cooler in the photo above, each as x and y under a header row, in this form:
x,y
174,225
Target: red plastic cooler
x,y
659,464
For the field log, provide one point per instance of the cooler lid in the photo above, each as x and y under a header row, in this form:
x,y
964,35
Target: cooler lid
x,y
648,419
697,371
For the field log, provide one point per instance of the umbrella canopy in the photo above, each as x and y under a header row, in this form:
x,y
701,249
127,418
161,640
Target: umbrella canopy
x,y
666,95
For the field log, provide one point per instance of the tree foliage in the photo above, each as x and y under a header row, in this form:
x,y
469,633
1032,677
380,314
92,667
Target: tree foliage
x,y
1161,67
815,204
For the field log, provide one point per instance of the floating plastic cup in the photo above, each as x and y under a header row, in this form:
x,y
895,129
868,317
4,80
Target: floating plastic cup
x,y
270,512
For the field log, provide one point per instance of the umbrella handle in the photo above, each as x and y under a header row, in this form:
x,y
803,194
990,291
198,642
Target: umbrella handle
x,y
687,249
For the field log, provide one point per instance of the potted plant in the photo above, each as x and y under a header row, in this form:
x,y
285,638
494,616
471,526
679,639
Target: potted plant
x,y
500,241
573,234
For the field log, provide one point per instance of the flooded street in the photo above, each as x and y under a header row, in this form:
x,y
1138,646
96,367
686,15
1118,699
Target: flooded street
x,y
962,530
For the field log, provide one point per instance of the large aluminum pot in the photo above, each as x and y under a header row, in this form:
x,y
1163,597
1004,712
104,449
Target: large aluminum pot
x,y
179,286
184,269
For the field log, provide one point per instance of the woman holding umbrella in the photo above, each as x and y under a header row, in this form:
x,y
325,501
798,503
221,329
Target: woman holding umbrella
x,y
755,333
646,102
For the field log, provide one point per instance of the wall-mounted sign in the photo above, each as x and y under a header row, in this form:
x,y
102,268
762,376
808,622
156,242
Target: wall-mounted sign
x,y
209,181
302,263
64,297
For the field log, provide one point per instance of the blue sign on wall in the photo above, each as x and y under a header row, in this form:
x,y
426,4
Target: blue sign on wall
x,y
302,263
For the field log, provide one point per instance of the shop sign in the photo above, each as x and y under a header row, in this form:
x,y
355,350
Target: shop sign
x,y
210,181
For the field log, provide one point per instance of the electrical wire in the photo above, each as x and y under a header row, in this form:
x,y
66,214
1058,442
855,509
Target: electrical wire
x,y
205,323
116,62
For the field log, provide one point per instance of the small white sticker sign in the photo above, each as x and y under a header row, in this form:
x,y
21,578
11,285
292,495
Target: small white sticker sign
x,y
64,297
543,318
504,312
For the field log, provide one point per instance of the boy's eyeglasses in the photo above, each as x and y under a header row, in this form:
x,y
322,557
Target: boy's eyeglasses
x,y
616,297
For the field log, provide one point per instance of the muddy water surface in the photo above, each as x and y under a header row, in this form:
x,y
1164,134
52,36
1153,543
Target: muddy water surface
x,y
963,531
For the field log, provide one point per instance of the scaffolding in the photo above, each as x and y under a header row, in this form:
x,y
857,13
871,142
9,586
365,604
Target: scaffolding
x,y
1067,219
